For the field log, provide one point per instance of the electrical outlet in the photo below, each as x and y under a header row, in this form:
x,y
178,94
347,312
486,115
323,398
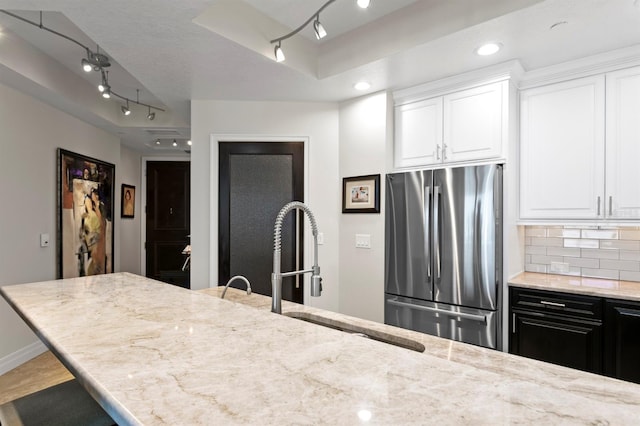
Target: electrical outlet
x,y
363,241
44,240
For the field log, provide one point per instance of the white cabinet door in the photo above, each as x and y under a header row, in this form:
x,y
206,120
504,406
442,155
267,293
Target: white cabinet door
x,y
418,133
623,144
562,150
475,123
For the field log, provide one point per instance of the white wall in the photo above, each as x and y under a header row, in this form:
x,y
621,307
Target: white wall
x,y
129,172
31,133
364,129
316,121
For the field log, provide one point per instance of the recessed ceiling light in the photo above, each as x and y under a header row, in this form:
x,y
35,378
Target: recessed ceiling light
x,y
189,142
363,3
362,85
488,49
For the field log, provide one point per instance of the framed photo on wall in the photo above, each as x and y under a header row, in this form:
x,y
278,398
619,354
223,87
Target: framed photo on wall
x,y
361,194
128,200
85,215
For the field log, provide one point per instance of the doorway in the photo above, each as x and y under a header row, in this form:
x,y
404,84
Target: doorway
x,y
256,179
167,213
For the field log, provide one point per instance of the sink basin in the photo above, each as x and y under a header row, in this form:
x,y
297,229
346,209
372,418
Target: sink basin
x,y
380,336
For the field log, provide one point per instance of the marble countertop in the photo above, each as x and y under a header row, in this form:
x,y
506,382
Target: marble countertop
x,y
152,353
626,290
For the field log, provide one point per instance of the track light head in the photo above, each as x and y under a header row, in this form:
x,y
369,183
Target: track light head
x,y
151,116
106,93
86,66
319,29
125,108
279,53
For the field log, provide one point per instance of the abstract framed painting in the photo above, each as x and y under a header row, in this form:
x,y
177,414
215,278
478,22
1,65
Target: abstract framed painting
x,y
85,237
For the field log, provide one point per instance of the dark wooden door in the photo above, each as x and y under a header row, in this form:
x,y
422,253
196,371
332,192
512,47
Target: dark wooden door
x,y
168,220
256,181
622,340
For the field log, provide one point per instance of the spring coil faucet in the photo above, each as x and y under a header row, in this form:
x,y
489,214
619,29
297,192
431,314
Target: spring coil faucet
x,y
277,275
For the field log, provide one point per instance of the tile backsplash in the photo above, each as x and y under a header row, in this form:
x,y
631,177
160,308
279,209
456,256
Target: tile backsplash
x,y
588,251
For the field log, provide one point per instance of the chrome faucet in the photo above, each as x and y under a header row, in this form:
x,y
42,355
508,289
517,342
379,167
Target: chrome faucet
x,y
277,275
236,277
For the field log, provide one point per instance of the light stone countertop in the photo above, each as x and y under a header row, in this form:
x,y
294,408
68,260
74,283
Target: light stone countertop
x,y
626,290
152,353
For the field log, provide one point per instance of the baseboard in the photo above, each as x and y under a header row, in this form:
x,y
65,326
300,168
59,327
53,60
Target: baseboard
x,y
21,356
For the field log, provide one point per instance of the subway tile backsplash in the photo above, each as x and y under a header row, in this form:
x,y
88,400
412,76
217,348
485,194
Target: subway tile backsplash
x,y
588,251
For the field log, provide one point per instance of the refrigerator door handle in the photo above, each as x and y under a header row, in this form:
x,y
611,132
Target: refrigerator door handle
x,y
427,227
436,225
481,318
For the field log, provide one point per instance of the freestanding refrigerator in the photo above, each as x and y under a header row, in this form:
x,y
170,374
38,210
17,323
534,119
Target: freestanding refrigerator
x,y
443,253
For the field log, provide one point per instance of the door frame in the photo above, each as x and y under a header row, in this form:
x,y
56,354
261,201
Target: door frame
x,y
215,140
143,204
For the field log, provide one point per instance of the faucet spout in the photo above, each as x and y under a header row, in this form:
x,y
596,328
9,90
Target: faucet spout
x,y
236,277
277,274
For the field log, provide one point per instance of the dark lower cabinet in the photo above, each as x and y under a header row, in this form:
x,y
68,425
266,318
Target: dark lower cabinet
x,y
588,333
571,343
622,340
557,328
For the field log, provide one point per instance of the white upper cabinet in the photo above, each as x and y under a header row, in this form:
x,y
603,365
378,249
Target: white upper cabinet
x,y
580,149
418,126
562,150
623,144
462,126
473,123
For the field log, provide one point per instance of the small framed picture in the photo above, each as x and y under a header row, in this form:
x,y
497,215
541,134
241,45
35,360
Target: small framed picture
x,y
128,201
361,194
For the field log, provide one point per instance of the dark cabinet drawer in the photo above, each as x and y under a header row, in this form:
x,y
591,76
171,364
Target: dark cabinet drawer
x,y
575,343
563,304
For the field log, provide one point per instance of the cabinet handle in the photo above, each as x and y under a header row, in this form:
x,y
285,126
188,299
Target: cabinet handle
x,y
437,151
559,305
610,205
513,323
444,151
598,205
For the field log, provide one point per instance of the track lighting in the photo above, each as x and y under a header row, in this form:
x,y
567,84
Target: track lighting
x,y
174,143
86,66
125,109
279,53
94,61
318,28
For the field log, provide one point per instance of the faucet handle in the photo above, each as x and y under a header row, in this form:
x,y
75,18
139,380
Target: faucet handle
x,y
316,285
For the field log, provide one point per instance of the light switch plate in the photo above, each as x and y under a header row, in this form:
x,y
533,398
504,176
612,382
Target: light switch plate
x,y
363,241
44,240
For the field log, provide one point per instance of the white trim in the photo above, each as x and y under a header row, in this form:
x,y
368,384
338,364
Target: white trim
x,y
143,203
583,67
511,70
21,356
215,139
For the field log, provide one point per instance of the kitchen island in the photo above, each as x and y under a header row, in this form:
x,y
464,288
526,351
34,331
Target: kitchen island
x,y
151,353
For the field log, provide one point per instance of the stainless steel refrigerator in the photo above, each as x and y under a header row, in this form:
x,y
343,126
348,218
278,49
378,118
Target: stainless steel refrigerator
x,y
443,253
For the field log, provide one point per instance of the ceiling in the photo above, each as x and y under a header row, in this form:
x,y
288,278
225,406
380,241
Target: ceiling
x,y
177,51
